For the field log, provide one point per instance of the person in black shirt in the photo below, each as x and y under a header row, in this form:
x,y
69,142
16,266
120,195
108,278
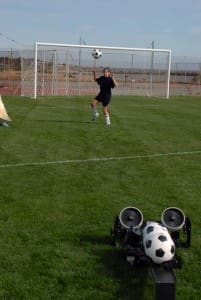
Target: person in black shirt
x,y
106,83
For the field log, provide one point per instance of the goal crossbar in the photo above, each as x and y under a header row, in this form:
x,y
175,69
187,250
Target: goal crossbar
x,y
101,47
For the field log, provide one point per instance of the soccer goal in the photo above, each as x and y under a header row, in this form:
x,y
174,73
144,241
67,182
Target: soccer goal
x,y
66,69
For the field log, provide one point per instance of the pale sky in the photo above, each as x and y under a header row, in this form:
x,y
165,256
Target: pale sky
x,y
171,24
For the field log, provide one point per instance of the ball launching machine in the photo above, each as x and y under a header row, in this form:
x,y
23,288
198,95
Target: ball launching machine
x,y
147,242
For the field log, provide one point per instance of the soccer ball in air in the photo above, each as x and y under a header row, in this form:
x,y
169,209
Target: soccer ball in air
x,y
96,53
158,244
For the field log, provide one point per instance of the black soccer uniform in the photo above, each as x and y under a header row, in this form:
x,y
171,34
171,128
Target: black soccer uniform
x,y
105,94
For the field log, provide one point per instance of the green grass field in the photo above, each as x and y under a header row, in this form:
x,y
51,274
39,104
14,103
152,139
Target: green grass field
x,y
64,179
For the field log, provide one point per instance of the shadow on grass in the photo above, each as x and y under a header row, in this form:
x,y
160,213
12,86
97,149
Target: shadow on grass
x,y
131,280
63,121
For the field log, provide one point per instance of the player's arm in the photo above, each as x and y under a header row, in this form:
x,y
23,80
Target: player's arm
x,y
94,75
114,81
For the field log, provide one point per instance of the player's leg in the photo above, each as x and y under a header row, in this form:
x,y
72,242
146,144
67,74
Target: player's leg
x,y
95,113
106,114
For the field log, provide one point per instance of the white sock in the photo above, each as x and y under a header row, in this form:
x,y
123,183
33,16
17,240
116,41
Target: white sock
x,y
94,111
107,120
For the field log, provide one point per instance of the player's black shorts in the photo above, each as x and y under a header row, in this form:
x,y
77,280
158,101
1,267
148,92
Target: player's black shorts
x,y
103,98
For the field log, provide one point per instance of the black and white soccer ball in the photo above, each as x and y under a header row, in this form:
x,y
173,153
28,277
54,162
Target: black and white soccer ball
x,y
158,244
159,247
153,227
96,53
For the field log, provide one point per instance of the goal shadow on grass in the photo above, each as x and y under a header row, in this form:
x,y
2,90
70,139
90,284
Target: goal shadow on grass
x,y
63,121
133,281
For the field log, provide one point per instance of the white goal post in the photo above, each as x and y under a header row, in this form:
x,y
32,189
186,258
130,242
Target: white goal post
x,y
66,69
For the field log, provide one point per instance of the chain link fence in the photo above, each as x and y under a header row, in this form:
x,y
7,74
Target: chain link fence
x,y
63,73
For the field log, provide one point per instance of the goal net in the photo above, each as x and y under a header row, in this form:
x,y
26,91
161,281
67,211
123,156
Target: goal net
x,y
66,69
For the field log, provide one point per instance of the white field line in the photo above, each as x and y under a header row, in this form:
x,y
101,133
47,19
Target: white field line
x,y
143,105
99,159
